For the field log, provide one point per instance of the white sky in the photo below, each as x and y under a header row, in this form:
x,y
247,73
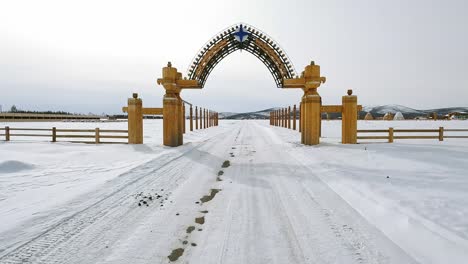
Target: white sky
x,y
89,56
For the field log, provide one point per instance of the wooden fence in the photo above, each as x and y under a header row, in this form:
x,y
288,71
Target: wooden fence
x,y
392,134
55,134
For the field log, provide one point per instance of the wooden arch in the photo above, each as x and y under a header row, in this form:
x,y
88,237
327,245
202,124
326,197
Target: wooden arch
x,y
250,39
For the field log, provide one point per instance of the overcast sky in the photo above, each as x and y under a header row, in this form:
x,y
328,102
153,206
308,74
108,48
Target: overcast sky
x,y
89,56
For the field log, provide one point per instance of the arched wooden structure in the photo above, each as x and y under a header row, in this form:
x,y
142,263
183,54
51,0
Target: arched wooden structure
x,y
241,37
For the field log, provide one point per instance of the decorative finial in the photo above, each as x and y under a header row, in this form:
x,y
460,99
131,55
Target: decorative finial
x,y
135,95
350,92
169,64
312,63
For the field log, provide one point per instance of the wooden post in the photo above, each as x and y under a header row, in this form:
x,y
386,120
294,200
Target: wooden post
x,y
54,134
210,116
183,117
294,117
390,135
201,119
311,129
300,117
7,133
275,118
441,133
135,120
349,119
96,136
284,117
191,118
196,117
289,117
204,118
172,129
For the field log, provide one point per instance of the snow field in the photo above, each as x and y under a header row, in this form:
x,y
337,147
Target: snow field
x,y
367,203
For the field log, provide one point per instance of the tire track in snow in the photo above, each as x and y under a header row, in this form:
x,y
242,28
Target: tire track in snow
x,y
49,244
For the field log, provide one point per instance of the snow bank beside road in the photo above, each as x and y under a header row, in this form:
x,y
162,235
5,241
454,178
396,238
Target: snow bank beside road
x,y
415,191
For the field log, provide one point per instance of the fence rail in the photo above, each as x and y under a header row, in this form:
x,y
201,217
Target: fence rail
x,y
437,134
96,134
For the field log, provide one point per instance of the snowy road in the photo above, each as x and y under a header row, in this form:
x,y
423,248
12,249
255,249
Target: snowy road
x,y
263,206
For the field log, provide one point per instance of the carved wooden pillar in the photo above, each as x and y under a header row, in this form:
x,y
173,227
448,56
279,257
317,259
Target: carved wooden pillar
x,y
349,119
135,120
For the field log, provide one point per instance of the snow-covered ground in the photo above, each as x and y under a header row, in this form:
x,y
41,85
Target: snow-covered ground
x,y
280,201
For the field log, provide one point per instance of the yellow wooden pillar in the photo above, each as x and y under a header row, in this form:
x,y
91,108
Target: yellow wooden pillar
x,y
171,108
135,120
196,117
349,119
311,129
311,102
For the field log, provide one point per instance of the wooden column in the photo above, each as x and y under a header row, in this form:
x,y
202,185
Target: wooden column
x,y
135,120
191,118
294,117
390,135
196,117
311,129
349,119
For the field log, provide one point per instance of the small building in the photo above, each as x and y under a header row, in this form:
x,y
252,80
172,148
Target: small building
x,y
368,116
388,116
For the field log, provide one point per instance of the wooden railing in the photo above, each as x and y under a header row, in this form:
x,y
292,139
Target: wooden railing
x,y
390,136
54,134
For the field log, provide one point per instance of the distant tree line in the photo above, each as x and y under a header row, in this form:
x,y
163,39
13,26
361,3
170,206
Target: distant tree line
x,y
15,109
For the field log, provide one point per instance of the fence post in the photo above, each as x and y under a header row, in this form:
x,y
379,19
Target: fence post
x,y
196,117
300,117
289,117
294,117
7,133
97,135
183,117
390,135
54,134
441,133
201,118
191,118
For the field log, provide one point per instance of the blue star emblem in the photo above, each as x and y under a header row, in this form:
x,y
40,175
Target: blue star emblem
x,y
241,35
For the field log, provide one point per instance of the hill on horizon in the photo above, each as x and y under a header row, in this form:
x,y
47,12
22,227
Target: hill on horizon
x,y
376,111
